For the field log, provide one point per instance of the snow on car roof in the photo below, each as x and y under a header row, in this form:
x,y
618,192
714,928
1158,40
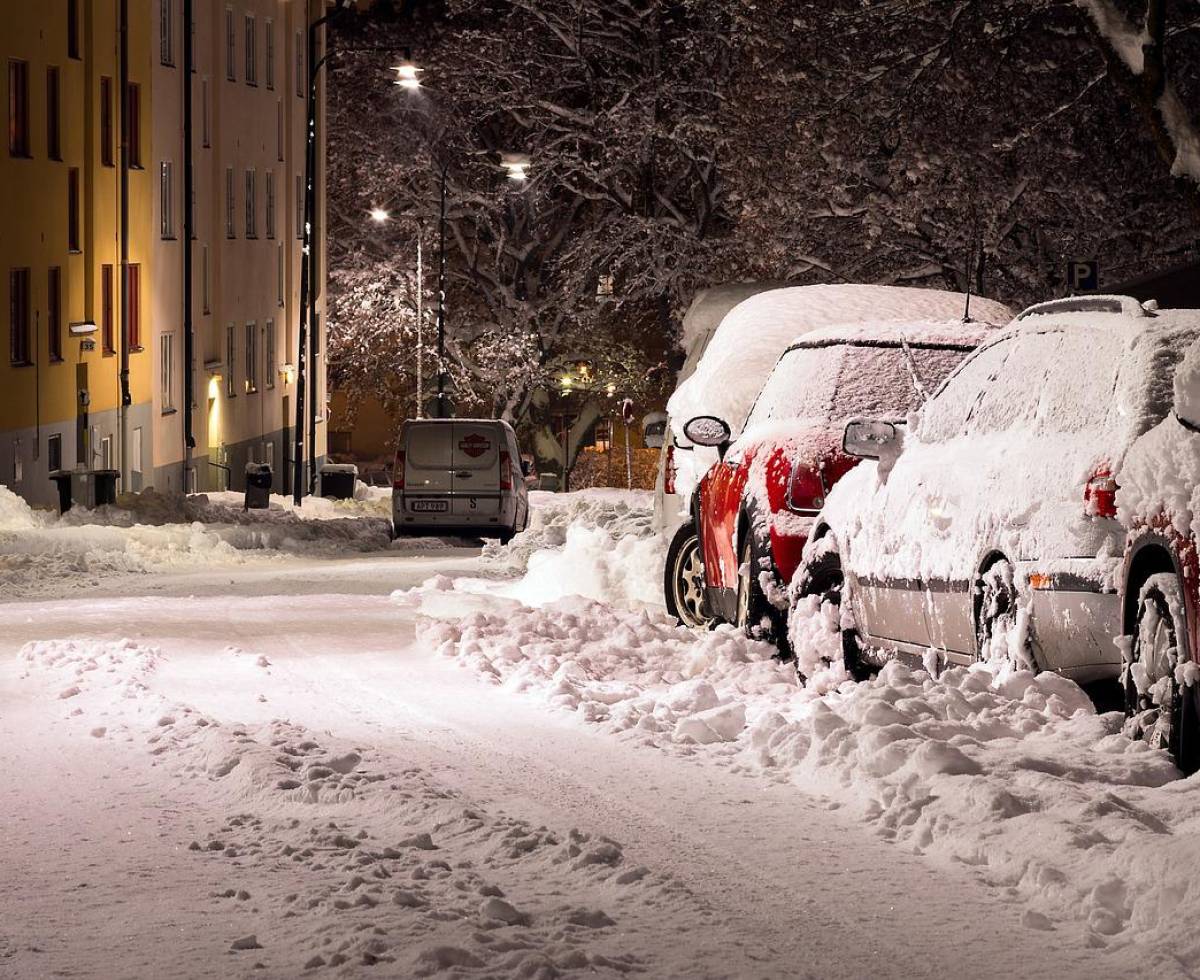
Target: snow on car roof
x,y
939,333
754,333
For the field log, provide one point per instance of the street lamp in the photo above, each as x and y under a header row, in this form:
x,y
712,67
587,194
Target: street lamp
x,y
379,215
408,75
516,165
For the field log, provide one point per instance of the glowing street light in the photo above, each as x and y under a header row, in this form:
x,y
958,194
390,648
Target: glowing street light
x,y
516,165
379,215
408,75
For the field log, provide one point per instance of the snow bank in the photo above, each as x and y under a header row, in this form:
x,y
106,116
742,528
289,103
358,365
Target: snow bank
x,y
598,543
151,532
1008,773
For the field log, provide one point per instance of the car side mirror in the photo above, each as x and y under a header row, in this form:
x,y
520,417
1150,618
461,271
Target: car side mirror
x,y
708,430
867,439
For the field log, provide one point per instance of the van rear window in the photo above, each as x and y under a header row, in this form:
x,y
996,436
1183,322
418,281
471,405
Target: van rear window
x,y
429,446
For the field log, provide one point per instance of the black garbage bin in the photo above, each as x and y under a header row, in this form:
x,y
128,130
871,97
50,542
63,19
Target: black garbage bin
x,y
104,487
62,483
338,479
258,486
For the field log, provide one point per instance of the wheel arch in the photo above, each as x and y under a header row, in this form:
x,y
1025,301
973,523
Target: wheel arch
x,y
1151,555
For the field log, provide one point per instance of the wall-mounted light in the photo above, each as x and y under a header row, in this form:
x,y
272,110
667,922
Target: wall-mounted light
x,y
214,387
288,373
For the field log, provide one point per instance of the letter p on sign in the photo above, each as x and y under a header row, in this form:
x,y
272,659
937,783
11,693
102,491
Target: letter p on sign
x,y
1083,275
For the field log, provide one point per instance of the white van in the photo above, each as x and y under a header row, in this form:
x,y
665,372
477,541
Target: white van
x,y
459,476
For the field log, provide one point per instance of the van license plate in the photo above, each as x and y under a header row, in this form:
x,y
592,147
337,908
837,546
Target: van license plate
x,y
429,506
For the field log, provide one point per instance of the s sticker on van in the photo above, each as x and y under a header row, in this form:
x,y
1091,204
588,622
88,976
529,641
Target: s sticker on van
x,y
474,445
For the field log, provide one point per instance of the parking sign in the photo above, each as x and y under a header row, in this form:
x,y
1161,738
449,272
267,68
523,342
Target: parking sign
x,y
1083,275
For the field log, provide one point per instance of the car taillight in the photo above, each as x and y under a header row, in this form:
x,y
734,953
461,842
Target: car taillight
x,y
1100,495
398,471
805,491
669,471
505,471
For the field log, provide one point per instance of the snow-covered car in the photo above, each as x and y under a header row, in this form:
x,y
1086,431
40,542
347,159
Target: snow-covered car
x,y
459,476
1036,511
730,359
755,507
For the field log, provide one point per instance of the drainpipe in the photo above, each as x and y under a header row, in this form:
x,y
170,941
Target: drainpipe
x,y
123,84
189,381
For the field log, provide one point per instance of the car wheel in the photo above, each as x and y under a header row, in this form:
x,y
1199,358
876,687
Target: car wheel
x,y
756,616
1002,633
824,577
1160,710
683,581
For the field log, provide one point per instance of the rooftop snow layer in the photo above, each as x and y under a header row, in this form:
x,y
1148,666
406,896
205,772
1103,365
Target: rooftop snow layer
x,y
755,332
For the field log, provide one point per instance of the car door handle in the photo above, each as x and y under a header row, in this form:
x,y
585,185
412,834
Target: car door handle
x,y
463,474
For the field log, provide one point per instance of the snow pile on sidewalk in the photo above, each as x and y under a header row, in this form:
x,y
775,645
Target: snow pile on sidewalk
x,y
152,532
598,543
301,852
1009,773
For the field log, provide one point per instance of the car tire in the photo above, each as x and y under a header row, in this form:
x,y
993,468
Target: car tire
x,y
507,535
683,580
756,616
997,615
1172,723
823,577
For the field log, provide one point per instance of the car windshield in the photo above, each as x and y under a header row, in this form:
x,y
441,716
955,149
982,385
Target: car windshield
x,y
839,381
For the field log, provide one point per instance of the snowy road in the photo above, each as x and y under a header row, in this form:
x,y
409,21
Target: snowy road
x,y
751,877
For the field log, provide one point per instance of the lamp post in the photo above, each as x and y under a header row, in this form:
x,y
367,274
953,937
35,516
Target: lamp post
x,y
306,346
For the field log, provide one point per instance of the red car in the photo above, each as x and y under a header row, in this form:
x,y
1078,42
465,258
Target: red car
x,y
754,509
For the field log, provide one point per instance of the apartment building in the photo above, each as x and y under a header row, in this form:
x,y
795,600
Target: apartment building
x,y
71,315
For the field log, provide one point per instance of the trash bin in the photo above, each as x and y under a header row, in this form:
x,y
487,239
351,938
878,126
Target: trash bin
x,y
338,479
258,486
62,482
104,487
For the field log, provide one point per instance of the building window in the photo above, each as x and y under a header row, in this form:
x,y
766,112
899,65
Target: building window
x,y
251,205
19,351
18,470
72,28
300,64
106,452
166,33
279,274
279,129
166,197
269,52
205,281
270,204
54,461
73,209
18,108
205,113
230,45
251,52
133,105
53,115
107,337
54,314
133,280
166,373
299,206
230,205
230,361
106,121
269,344
251,357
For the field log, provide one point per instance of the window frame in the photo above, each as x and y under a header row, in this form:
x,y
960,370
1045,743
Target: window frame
x,y
230,45
269,205
251,357
251,49
133,299
269,353
166,369
269,52
133,106
74,205
230,204
231,360
53,113
108,336
20,315
166,200
20,145
166,33
54,346
107,154
251,207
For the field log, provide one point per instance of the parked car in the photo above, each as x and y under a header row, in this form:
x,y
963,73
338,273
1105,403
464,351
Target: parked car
x,y
459,476
734,335
755,508
1039,511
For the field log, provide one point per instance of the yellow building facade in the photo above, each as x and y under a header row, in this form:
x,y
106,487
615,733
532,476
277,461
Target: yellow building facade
x,y
60,254
60,243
